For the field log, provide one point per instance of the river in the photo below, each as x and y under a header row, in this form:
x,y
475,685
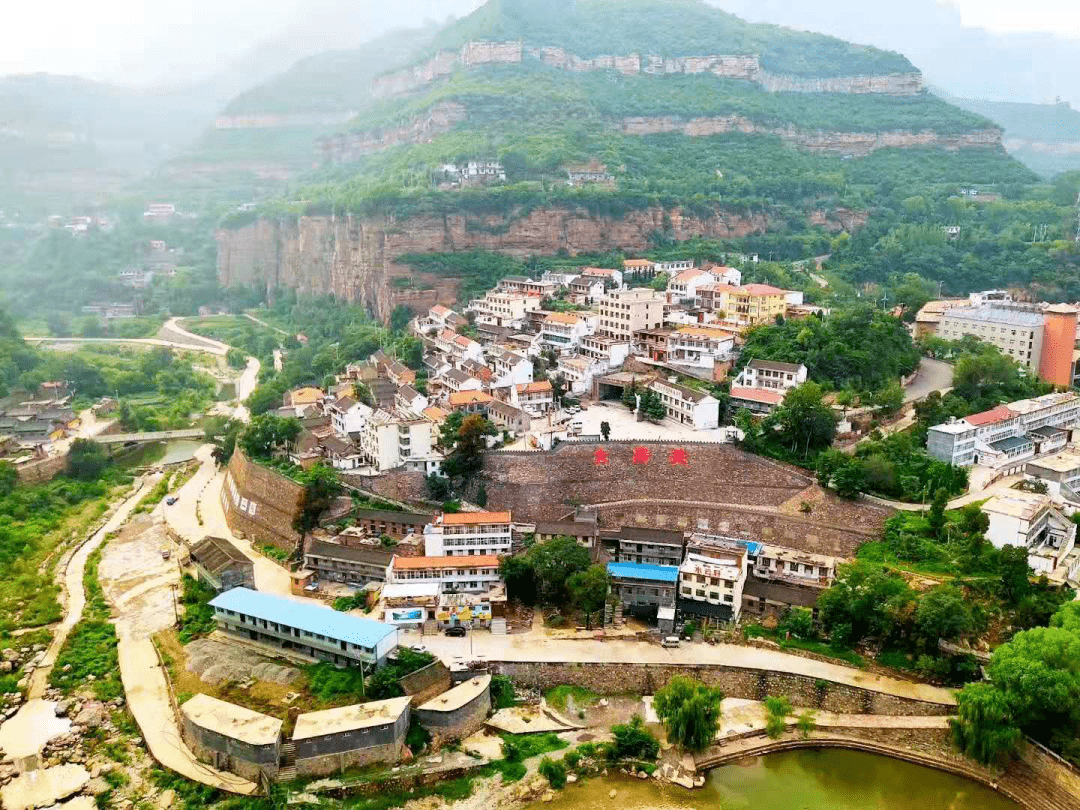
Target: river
x,y
797,780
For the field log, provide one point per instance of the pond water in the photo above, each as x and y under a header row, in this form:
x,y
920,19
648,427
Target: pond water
x,y
179,450
828,779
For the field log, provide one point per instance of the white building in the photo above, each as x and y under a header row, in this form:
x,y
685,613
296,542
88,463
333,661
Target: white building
x,y
440,318
579,371
455,381
1061,474
524,285
700,347
727,275
504,309
389,441
565,330
683,286
537,398
469,534
509,368
624,312
612,352
1031,520
347,416
711,586
613,278
769,375
688,406
560,278
459,348
585,290
477,574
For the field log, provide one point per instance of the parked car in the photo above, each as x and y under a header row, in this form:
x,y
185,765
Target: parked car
x,y
573,409
457,631
165,554
171,500
670,641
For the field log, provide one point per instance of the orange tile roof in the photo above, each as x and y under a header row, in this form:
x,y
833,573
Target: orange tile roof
x,y
469,397
541,387
435,414
562,317
597,271
473,518
762,289
758,395
637,263
686,275
421,563
998,414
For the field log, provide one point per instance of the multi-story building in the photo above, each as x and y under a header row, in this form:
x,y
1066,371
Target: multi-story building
x,y
458,348
475,574
688,406
504,309
612,352
586,290
754,304
714,297
579,372
700,347
639,269
470,402
526,286
661,547
398,525
509,417
510,368
1005,436
469,534
644,589
389,441
1032,521
347,416
624,312
537,398
1060,473
613,279
711,586
317,633
440,318
456,380
352,564
683,286
565,330
769,375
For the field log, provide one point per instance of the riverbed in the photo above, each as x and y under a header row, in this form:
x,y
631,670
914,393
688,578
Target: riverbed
x,y
797,780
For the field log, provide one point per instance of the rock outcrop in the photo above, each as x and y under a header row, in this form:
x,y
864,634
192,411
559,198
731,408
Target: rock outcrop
x,y
354,258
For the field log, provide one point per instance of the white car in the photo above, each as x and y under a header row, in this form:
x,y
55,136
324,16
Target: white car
x,y
573,410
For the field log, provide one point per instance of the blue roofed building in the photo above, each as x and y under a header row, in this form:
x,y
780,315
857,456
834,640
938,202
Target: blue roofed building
x,y
644,589
303,629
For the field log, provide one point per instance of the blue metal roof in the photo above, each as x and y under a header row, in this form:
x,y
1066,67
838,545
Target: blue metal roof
x,y
309,618
651,573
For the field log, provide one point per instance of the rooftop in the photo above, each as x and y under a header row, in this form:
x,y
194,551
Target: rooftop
x,y
762,395
461,695
542,387
216,553
1025,406
638,263
469,398
1063,462
762,289
1022,505
705,331
562,317
411,590
773,365
435,414
472,518
304,616
644,572
230,720
996,314
999,414
431,563
371,554
350,718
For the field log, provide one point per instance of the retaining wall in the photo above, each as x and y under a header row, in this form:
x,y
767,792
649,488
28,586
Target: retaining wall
x,y
261,504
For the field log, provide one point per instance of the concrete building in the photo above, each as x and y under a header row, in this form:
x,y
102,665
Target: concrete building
x,y
756,400
510,368
613,279
585,532
330,741
1031,521
458,574
683,285
640,269
624,312
658,547
769,375
232,738
347,415
349,564
526,286
711,586
221,565
469,534
439,318
643,589
509,417
1006,436
1057,364
1061,474
537,398
579,372
700,347
564,331
503,309
458,712
396,524
612,352
302,629
688,406
586,290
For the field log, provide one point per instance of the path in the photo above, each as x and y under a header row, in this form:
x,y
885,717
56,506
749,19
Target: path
x,y
147,692
934,375
261,322
169,344
171,330
528,647
74,595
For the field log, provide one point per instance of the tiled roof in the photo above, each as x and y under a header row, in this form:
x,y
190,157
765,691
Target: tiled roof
x,y
999,414
773,365
426,563
474,518
469,398
762,289
762,395
540,387
562,317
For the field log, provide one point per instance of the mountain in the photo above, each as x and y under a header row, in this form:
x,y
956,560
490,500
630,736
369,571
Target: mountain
x,y
597,125
1045,137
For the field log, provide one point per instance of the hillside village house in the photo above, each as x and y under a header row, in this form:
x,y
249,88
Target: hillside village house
x,y
470,402
538,398
510,368
683,286
440,318
503,309
611,352
564,331
1061,473
770,375
639,269
348,416
688,406
613,279
352,565
586,290
459,574
644,589
711,586
662,547
1030,520
526,286
624,312
579,372
700,347
468,534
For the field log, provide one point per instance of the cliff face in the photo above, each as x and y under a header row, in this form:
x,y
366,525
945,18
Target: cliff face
x,y
354,258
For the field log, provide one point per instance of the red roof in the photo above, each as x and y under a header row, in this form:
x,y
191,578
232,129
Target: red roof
x,y
998,414
762,395
763,289
476,561
474,518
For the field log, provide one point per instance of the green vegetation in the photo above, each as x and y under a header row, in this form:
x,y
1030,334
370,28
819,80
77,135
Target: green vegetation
x,y
633,741
777,710
502,692
554,772
89,653
690,712
809,644
544,572
797,431
243,334
581,696
197,619
330,684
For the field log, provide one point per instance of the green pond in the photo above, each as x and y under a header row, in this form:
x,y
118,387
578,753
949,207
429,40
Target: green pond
x,y
797,780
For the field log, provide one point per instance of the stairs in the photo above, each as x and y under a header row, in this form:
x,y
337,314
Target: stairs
x,y
287,762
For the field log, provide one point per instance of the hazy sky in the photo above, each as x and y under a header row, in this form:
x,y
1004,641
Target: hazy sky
x,y
142,41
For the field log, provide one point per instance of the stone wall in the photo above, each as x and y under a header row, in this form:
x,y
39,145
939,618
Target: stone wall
x,y
458,724
685,486
748,684
333,753
732,66
277,501
44,469
229,754
426,683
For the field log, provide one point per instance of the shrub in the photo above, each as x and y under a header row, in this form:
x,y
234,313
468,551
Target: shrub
x,y
634,741
778,709
555,772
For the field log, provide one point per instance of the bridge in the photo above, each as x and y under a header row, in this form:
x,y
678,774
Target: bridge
x,y
147,438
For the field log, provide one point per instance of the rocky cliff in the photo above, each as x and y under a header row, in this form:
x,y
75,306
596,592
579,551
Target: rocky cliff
x,y
355,258
732,66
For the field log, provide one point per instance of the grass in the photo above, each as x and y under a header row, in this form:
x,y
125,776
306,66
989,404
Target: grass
x,y
581,696
153,497
897,660
90,649
519,747
274,553
198,618
819,647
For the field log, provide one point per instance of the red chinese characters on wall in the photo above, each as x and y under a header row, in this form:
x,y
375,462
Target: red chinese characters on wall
x,y
601,456
678,457
641,455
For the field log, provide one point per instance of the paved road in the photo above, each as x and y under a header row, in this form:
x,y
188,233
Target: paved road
x,y
170,344
75,596
531,647
173,330
934,375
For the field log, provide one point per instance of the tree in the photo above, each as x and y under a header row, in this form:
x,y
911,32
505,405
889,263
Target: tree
x,y
891,398
629,396
1038,671
264,398
1015,573
806,723
983,727
517,573
942,613
321,486
399,318
86,459
235,358
553,563
9,478
605,430
652,406
438,487
936,516
467,457
690,712
588,590
798,622
633,741
866,601
777,710
266,433
804,422
849,480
